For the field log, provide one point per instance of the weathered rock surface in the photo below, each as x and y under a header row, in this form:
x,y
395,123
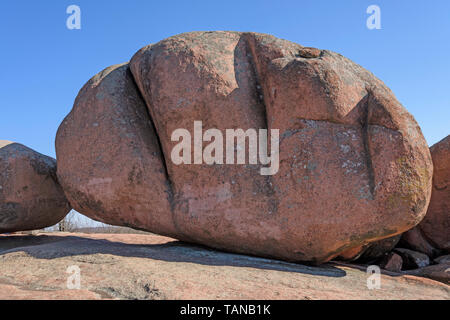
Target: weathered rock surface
x,y
439,272
432,235
442,259
371,251
354,166
392,262
30,196
127,266
109,160
413,259
436,224
415,240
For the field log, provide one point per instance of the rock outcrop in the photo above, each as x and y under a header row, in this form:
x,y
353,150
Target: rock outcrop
x,y
146,266
354,167
432,235
109,160
30,196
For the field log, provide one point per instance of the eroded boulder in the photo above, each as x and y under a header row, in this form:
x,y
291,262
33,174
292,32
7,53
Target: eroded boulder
x,y
353,164
109,160
30,196
413,259
432,235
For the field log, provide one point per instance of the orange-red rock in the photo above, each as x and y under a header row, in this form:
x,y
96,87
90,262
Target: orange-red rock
x,y
151,267
433,233
109,160
416,240
436,224
354,166
30,196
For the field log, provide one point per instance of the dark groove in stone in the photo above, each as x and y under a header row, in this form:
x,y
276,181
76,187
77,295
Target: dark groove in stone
x,y
166,171
366,143
256,73
260,90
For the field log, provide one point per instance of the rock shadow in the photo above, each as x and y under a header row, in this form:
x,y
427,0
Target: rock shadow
x,y
52,247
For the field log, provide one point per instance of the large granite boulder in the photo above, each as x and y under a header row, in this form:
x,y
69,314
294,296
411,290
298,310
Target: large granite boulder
x,y
353,164
432,235
30,196
109,160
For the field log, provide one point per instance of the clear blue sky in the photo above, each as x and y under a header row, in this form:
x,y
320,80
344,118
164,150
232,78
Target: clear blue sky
x,y
44,64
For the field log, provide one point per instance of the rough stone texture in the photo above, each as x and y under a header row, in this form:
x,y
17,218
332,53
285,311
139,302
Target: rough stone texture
x,y
109,160
415,240
413,259
392,262
354,166
371,251
442,259
436,224
30,196
439,272
127,266
432,235
378,248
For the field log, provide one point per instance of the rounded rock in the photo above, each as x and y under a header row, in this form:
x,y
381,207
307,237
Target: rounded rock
x,y
354,166
30,196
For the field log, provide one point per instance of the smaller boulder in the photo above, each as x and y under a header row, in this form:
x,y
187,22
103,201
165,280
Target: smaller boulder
x,y
415,240
439,272
436,224
30,196
392,262
432,235
413,259
442,259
